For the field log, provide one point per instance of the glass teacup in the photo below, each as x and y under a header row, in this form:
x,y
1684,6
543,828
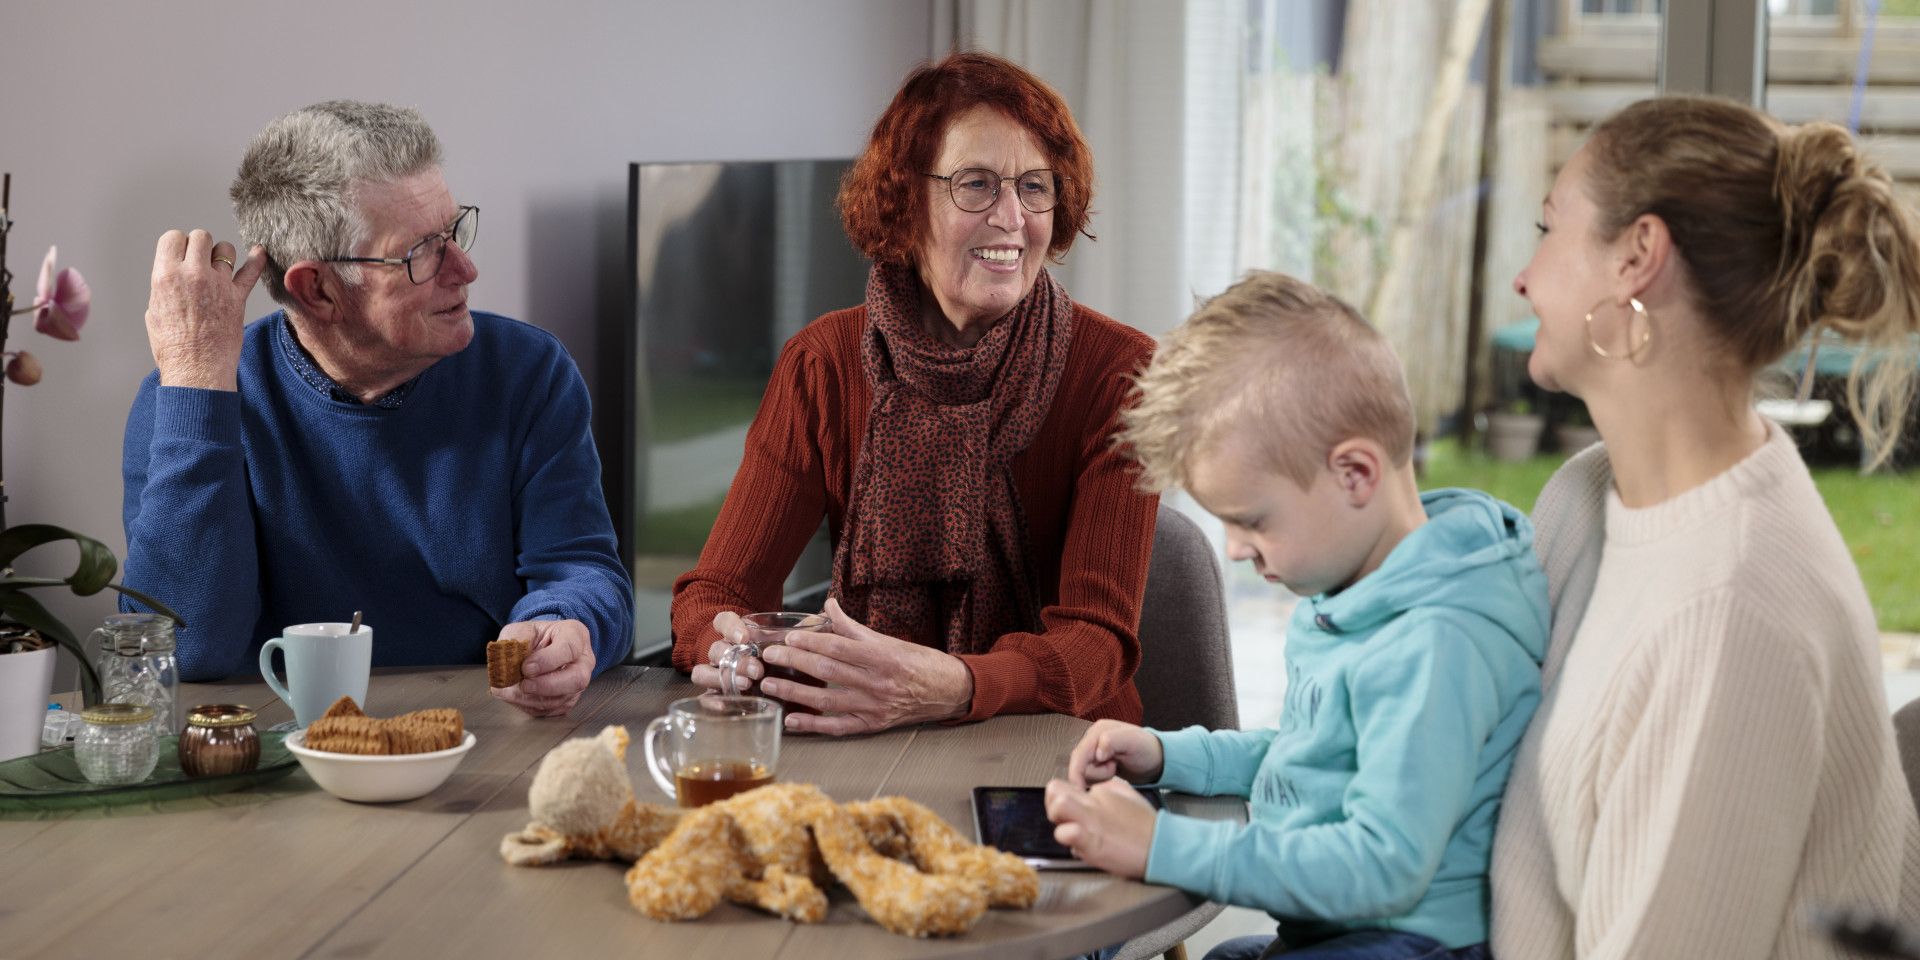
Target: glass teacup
x,y
765,630
711,747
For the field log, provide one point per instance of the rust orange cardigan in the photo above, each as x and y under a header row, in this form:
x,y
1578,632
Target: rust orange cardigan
x,y
1090,531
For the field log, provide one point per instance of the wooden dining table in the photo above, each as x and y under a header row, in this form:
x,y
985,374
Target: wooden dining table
x,y
284,869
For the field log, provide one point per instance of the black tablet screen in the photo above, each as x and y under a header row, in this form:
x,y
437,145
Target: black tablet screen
x,y
1014,819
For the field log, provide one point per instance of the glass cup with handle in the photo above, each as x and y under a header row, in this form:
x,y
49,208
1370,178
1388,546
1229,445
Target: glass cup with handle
x,y
763,630
710,747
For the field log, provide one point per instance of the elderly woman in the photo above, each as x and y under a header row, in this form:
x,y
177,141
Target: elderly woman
x,y
1713,759
955,430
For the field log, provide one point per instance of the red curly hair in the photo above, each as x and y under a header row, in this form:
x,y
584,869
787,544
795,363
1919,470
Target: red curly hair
x,y
883,200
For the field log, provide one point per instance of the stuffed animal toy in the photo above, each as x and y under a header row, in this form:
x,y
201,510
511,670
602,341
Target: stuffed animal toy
x,y
775,848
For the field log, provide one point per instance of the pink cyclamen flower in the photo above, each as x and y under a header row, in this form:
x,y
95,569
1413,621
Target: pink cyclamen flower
x,y
61,302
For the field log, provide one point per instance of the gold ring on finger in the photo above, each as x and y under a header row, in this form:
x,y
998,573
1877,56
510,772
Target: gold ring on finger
x,y
226,260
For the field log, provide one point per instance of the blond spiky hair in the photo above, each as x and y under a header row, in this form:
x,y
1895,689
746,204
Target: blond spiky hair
x,y
1273,361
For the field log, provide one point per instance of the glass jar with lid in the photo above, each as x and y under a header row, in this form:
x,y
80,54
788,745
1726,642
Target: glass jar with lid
x,y
219,739
116,743
136,664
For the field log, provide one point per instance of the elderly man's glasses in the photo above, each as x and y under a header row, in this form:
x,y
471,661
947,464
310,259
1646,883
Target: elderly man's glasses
x,y
975,190
423,259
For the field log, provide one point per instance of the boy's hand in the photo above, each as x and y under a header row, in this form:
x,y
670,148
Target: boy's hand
x,y
1112,747
1109,826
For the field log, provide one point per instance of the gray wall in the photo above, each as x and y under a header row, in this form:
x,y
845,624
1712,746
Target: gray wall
x,y
120,120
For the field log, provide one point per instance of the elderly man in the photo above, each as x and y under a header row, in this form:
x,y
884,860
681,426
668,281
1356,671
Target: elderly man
x,y
374,445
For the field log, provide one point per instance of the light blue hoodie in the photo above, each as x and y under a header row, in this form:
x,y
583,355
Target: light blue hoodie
x,y
1373,803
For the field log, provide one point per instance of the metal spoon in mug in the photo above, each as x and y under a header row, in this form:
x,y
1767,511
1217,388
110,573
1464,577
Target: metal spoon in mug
x,y
356,623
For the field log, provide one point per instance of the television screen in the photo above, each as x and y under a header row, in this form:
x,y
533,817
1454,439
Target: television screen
x,y
728,260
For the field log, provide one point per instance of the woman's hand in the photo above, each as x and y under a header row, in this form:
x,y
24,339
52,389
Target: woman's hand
x,y
1109,826
1112,747
878,682
732,630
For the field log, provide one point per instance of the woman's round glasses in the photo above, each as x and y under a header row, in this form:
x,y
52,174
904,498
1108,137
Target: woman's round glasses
x,y
423,259
975,190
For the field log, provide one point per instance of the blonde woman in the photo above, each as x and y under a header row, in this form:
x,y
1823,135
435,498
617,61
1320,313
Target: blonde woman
x,y
1713,758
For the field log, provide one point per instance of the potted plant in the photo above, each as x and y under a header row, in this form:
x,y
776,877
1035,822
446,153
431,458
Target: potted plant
x,y
1513,430
1576,432
29,633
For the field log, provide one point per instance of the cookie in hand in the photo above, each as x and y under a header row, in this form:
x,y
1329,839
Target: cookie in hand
x,y
503,661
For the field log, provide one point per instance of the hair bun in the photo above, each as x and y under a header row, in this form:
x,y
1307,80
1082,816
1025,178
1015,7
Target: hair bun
x,y
1814,160
1839,219
1850,262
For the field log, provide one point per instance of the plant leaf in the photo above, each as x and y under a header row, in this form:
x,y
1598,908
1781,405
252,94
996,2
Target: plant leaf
x,y
29,583
96,570
27,610
15,541
97,563
155,605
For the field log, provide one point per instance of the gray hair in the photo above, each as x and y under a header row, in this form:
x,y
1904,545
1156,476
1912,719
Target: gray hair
x,y
295,192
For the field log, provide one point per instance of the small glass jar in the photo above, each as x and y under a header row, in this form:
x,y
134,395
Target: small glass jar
x,y
137,665
116,743
219,739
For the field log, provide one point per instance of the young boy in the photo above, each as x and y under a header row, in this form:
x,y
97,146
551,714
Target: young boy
x,y
1413,659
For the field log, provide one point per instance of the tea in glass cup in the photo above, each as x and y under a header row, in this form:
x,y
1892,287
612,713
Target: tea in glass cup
x,y
710,747
702,782
765,630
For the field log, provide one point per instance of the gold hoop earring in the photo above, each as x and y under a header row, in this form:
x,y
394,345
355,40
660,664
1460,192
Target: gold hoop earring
x,y
1633,346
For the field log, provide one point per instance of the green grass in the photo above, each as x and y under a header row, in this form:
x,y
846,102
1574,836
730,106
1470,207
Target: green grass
x,y
682,532
1516,483
1877,516
685,409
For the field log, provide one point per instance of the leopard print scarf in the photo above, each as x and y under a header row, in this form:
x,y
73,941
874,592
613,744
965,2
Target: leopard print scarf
x,y
935,549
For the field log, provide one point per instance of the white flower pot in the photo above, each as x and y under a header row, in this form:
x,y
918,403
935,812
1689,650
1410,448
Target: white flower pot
x,y
26,681
1514,436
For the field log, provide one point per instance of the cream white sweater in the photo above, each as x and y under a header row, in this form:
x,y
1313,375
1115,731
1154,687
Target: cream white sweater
x,y
1713,758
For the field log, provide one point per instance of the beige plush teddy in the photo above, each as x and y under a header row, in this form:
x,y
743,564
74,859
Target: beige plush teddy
x,y
775,848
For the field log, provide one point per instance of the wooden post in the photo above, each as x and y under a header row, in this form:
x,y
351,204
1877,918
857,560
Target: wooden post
x,y
1424,167
1482,220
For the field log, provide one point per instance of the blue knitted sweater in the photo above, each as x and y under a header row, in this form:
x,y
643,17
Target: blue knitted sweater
x,y
467,500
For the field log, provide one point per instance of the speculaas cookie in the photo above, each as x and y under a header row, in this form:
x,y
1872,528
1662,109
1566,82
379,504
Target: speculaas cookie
x,y
504,658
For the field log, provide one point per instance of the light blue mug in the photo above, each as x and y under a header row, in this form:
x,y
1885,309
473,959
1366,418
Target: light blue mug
x,y
324,663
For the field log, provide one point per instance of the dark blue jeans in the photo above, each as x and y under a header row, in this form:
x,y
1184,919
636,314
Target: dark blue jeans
x,y
1362,945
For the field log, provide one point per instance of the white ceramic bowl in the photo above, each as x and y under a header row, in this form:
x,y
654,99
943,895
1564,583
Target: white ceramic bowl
x,y
366,779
